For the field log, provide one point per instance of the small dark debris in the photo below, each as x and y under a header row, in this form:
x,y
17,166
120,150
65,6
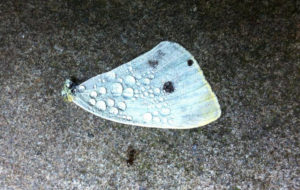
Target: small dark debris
x,y
153,63
168,87
190,62
131,154
91,135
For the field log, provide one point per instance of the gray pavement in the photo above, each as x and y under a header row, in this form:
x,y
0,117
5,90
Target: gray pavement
x,y
249,53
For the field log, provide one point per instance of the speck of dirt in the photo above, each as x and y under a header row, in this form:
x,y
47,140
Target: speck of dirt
x,y
131,154
90,135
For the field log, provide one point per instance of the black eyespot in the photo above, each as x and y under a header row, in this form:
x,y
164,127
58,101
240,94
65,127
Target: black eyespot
x,y
168,87
190,62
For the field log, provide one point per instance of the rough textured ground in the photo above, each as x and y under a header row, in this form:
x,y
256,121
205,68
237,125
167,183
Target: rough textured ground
x,y
248,51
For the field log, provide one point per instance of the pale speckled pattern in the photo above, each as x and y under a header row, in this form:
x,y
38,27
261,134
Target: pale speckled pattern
x,y
190,104
249,53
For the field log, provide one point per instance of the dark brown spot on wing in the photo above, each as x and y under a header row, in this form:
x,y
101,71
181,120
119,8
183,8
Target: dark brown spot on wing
x,y
168,87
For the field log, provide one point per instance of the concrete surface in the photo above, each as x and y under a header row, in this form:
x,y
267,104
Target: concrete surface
x,y
248,51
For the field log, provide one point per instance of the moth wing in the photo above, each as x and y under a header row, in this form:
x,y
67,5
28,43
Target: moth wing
x,y
162,88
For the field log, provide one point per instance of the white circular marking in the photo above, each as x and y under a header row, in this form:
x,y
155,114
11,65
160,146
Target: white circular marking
x,y
93,94
113,110
92,101
146,81
147,117
110,102
81,87
129,118
128,92
156,91
102,90
117,89
101,105
130,80
122,106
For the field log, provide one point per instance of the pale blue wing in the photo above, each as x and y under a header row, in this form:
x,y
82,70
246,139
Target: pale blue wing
x,y
163,88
